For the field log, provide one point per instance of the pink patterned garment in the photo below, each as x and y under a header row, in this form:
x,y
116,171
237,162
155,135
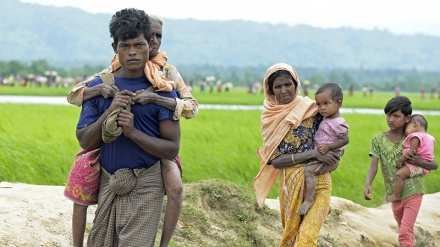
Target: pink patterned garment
x,y
83,182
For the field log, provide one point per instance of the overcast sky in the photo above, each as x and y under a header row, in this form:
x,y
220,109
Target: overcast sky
x,y
398,16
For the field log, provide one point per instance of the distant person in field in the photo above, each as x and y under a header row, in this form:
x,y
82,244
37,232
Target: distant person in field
x,y
185,105
422,92
365,91
386,149
332,135
288,126
371,90
418,142
351,90
397,90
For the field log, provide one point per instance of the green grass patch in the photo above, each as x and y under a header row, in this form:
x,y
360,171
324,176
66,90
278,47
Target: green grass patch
x,y
38,144
34,90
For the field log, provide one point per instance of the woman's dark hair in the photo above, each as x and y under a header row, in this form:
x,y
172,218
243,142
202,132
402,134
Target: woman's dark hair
x,y
401,103
275,75
335,90
128,24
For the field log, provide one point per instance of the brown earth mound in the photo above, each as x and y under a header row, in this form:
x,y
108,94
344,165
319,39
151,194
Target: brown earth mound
x,y
214,213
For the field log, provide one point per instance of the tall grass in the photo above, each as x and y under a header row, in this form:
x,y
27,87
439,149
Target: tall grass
x,y
37,142
37,145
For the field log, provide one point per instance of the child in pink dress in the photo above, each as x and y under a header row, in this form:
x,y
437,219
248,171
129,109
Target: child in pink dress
x,y
418,142
332,135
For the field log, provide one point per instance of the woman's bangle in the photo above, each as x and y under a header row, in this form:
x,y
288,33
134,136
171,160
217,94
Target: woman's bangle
x,y
293,159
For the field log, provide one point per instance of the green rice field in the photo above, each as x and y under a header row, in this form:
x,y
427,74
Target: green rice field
x,y
38,143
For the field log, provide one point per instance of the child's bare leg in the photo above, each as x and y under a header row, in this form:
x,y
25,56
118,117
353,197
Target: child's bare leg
x,y
79,219
174,189
310,184
401,174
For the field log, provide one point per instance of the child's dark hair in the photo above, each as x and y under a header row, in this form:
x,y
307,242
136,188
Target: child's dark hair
x,y
335,91
421,119
277,74
401,103
128,24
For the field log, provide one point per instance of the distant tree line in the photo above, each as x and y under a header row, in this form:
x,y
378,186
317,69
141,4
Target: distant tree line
x,y
382,80
39,67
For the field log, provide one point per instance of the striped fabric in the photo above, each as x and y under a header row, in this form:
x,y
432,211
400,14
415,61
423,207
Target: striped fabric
x,y
129,208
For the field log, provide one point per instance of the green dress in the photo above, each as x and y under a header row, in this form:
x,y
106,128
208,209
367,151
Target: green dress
x,y
388,152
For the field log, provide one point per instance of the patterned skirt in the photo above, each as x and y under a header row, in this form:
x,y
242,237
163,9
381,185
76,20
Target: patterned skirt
x,y
299,230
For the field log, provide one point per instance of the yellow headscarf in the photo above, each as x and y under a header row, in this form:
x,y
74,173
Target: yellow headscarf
x,y
276,120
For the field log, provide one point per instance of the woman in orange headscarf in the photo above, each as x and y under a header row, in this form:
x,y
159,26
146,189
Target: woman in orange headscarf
x,y
288,126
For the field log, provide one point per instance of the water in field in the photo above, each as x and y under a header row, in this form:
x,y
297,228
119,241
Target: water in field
x,y
58,100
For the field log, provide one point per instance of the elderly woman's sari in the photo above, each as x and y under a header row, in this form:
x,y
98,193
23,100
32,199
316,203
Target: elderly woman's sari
x,y
289,129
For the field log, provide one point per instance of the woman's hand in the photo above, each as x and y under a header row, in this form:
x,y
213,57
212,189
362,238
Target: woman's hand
x,y
322,168
415,159
328,162
329,158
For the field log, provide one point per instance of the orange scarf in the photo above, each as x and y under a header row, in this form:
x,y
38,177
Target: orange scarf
x,y
276,120
153,72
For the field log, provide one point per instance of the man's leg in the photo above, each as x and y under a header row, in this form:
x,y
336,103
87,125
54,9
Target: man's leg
x,y
174,190
79,219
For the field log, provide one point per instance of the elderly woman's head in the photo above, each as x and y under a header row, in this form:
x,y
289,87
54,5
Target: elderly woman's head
x,y
282,86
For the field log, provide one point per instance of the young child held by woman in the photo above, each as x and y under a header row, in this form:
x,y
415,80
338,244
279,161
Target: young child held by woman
x,y
418,142
332,135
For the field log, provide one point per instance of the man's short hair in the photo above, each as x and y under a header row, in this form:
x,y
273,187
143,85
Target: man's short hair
x,y
128,24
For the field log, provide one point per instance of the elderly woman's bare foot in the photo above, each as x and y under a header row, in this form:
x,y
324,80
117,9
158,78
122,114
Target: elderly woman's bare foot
x,y
305,206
